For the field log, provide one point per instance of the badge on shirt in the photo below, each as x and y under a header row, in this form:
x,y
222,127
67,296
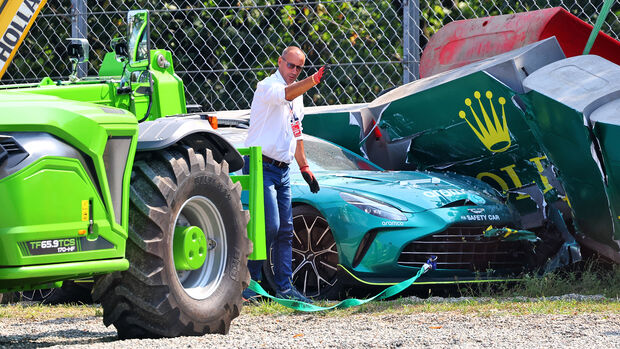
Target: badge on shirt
x,y
295,122
296,125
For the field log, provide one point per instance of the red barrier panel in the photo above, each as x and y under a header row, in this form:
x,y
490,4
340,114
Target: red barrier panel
x,y
462,42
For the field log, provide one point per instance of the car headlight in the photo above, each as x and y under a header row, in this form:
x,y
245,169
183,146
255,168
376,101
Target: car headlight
x,y
374,207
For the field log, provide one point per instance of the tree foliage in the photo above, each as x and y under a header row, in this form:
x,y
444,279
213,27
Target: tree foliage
x,y
222,48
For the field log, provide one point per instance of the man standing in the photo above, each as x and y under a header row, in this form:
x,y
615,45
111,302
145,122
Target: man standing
x,y
275,125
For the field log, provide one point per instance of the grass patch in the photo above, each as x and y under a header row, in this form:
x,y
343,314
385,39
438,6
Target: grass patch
x,y
487,307
528,296
400,306
25,311
586,278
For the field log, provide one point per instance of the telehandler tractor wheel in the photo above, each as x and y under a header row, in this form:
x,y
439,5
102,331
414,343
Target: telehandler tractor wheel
x,y
187,249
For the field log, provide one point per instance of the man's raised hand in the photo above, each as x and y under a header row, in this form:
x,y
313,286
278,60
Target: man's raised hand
x,y
316,77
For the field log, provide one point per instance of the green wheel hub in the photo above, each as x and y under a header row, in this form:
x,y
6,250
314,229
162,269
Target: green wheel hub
x,y
202,214
190,248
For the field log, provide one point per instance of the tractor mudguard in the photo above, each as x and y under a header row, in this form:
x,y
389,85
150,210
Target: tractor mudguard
x,y
161,133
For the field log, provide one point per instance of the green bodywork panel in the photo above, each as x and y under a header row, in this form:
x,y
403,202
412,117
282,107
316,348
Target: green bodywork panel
x,y
54,215
478,145
168,91
567,140
334,125
85,126
555,148
100,91
608,136
110,66
572,109
253,184
52,238
167,86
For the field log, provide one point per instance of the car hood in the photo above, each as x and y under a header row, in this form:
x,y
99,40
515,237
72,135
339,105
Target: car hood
x,y
411,191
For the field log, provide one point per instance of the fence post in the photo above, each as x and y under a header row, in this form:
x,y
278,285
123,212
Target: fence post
x,y
79,29
411,40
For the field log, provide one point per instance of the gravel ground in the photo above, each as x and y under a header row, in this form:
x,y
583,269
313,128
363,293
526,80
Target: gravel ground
x,y
355,330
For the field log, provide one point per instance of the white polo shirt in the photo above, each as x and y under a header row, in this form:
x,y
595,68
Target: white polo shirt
x,y
271,119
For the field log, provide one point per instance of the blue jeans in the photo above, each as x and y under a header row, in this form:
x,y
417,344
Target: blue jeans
x,y
278,225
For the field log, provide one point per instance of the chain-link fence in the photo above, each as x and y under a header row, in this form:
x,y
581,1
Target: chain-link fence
x,y
222,48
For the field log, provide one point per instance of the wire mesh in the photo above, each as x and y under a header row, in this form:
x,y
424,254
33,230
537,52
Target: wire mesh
x,y
221,49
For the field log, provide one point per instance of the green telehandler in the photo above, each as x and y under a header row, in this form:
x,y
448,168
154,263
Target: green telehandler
x,y
109,177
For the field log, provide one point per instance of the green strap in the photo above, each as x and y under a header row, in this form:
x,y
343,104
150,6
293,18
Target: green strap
x,y
507,234
597,27
347,303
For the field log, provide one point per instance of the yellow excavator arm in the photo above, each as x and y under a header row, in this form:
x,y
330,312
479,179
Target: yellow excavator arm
x,y
16,18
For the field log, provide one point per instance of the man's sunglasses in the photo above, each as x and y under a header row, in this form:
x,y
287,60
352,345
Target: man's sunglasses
x,y
291,65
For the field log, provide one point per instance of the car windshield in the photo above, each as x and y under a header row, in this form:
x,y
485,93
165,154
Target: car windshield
x,y
324,156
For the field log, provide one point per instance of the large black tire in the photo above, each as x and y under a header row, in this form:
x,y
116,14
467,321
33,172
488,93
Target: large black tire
x,y
315,256
170,187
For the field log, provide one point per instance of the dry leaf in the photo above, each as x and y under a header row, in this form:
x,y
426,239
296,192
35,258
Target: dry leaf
x,y
353,38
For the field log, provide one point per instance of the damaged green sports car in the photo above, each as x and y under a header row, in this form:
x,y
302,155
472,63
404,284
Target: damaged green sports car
x,y
374,227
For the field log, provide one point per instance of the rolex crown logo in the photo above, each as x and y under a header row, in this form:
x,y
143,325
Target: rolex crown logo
x,y
492,133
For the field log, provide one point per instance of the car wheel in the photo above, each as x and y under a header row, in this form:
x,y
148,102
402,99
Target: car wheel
x,y
39,295
70,292
6,298
315,256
